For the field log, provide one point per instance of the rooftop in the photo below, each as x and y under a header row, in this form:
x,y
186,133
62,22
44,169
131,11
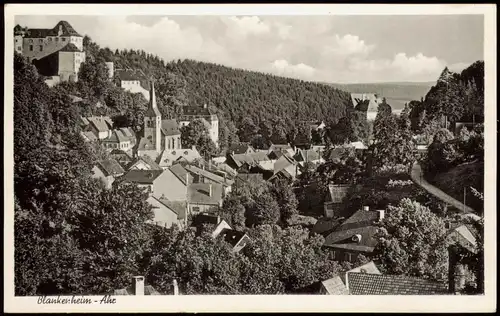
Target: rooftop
x,y
142,176
63,26
362,223
377,284
168,156
170,127
199,193
110,167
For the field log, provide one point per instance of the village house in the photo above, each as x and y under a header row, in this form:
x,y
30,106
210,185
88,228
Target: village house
x,y
107,170
191,113
89,137
285,168
237,239
368,280
304,156
163,184
204,197
123,138
238,161
241,148
169,157
168,213
200,175
143,163
57,53
101,126
275,151
133,81
355,236
122,157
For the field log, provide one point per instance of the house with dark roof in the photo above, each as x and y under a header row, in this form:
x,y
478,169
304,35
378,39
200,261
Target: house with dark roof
x,y
237,239
204,197
121,138
101,126
191,113
134,81
237,161
57,53
163,184
107,170
285,167
368,280
355,236
122,157
200,175
241,148
304,156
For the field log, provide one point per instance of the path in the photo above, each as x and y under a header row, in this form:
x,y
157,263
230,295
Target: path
x,y
418,177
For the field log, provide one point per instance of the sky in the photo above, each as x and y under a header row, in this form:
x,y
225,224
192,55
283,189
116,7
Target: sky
x,y
336,49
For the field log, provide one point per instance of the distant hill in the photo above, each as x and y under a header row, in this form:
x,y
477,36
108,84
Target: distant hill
x,y
396,93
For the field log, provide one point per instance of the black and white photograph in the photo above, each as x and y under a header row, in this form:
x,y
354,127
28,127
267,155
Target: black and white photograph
x,y
277,154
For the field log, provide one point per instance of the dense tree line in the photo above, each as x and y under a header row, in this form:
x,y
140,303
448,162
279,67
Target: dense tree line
x,y
456,97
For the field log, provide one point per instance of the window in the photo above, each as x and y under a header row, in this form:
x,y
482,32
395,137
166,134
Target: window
x,y
196,209
347,256
41,48
31,41
40,41
31,47
50,39
19,48
57,39
64,39
334,254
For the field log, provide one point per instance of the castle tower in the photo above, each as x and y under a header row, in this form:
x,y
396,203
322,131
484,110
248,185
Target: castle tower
x,y
152,121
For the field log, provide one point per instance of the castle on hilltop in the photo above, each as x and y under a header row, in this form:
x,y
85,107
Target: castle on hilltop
x,y
57,53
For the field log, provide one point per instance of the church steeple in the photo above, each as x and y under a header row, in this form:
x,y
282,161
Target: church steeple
x,y
152,108
152,121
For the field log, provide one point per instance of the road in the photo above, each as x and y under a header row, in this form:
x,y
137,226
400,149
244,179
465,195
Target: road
x,y
418,177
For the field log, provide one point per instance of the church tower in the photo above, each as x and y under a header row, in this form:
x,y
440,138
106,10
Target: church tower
x,y
152,121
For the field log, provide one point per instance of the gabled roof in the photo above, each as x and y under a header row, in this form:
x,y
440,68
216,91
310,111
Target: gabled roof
x,y
170,127
378,284
70,48
142,176
116,136
208,175
307,155
239,148
89,136
198,193
335,286
178,207
361,223
251,159
101,123
284,162
180,172
65,27
147,160
168,156
233,237
110,167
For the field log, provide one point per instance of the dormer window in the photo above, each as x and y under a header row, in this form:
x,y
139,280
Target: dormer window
x,y
64,39
50,39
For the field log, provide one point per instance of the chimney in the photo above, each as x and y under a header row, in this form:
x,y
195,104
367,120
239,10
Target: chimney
x,y
356,238
176,287
381,215
138,285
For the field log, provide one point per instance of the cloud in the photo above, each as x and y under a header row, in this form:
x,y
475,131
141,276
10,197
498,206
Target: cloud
x,y
240,28
282,67
309,48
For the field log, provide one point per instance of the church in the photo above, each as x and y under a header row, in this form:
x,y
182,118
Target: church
x,y
158,135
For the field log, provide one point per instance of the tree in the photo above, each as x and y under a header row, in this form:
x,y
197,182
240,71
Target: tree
x,y
384,109
412,241
285,197
264,210
442,154
247,130
93,74
233,210
197,134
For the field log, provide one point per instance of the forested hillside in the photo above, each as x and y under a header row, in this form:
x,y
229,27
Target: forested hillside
x,y
249,104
